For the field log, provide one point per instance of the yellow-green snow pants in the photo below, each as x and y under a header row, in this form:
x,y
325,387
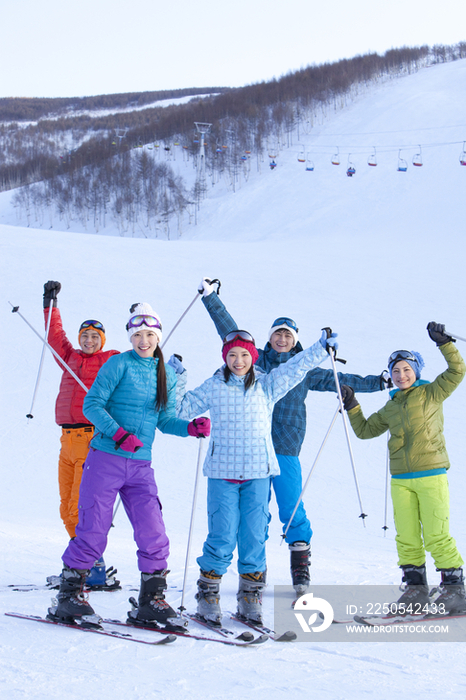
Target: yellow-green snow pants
x,y
421,509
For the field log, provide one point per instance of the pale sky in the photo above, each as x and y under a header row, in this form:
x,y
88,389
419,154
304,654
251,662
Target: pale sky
x,y
63,48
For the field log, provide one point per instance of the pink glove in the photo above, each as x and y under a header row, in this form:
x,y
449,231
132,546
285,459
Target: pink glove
x,y
127,441
199,427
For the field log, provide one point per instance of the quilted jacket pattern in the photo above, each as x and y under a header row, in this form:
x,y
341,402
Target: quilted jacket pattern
x,y
241,441
289,415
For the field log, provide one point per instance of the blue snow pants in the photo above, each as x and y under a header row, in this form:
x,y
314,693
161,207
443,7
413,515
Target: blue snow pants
x,y
238,515
287,487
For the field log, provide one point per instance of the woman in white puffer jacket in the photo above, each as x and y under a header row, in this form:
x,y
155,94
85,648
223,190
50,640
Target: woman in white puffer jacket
x,y
240,463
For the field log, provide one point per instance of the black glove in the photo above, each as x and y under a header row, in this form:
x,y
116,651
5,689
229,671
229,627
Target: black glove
x,y
386,380
349,399
436,333
51,290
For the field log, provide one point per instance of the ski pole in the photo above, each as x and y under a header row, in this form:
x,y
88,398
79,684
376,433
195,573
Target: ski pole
x,y
309,476
216,281
363,515
15,309
116,510
39,373
191,525
387,474
457,337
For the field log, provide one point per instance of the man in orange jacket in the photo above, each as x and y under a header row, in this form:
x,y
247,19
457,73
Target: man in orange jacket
x,y
77,431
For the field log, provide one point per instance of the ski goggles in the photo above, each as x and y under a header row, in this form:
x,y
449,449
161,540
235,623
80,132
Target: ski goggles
x,y
143,320
242,335
92,323
285,321
401,355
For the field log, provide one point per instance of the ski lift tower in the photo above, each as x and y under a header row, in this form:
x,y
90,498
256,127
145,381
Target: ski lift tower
x,y
202,129
121,133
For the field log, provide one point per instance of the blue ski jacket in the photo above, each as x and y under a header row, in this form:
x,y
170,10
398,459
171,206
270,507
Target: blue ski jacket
x,y
123,395
289,415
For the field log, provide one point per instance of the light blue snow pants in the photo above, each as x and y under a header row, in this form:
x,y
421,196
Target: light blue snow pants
x,y
287,487
238,515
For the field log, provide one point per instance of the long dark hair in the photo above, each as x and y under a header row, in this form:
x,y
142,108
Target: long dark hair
x,y
248,382
162,392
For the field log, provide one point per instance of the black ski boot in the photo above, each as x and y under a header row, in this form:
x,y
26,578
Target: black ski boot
x,y
72,602
415,596
300,563
452,594
249,596
99,578
208,597
152,605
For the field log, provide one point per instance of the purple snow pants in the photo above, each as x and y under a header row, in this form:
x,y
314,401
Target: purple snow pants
x,y
104,476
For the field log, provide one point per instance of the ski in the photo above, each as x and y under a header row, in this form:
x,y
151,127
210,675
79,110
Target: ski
x,y
53,583
96,630
181,631
26,587
384,621
288,636
219,629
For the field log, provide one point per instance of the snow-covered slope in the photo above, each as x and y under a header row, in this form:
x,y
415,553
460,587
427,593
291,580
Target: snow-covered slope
x,y
375,257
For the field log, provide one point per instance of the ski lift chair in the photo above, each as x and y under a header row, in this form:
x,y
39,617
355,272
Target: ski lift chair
x,y
372,160
350,170
402,164
336,158
463,155
417,159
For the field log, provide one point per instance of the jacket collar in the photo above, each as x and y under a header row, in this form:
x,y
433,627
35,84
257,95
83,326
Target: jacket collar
x,y
144,360
418,382
276,358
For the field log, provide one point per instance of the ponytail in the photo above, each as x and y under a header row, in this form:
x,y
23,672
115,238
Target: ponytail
x,y
162,393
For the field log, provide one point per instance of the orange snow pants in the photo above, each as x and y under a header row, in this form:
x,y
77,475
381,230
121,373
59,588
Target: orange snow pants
x,y
73,453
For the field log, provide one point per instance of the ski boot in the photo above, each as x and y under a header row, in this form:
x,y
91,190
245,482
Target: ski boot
x,y
208,597
415,596
102,579
152,606
71,603
300,562
452,598
249,596
99,578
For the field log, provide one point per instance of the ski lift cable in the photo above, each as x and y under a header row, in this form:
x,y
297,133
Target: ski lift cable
x,y
386,148
399,131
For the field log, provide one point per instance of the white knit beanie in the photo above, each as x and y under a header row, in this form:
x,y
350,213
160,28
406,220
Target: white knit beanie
x,y
286,328
144,309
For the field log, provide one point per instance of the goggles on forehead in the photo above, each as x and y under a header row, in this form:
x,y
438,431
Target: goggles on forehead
x,y
401,355
143,320
285,321
242,335
91,323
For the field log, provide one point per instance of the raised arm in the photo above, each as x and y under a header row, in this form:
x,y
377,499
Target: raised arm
x,y
224,323
446,383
